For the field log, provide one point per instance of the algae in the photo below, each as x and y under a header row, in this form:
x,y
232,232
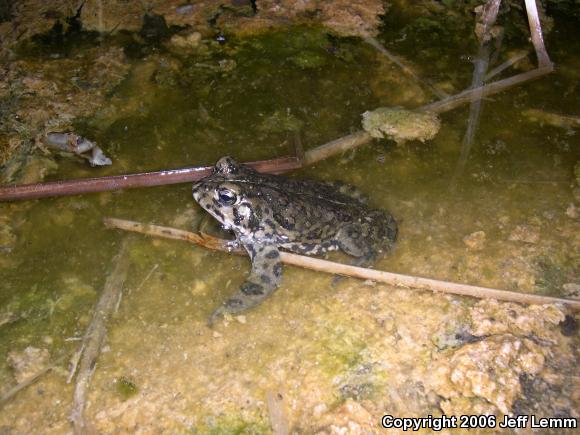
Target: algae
x,y
400,125
126,388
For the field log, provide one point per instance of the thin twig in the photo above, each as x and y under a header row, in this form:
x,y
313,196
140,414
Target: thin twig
x,y
508,63
343,269
153,269
95,335
553,119
376,44
277,412
74,363
337,146
536,33
488,18
484,91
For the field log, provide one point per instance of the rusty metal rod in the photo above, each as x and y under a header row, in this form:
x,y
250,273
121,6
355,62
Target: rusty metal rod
x,y
117,182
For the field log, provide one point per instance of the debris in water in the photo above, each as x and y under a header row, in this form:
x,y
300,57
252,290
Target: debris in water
x,y
73,143
401,124
554,119
277,412
185,9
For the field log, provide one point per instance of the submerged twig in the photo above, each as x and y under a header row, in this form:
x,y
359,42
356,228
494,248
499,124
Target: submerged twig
x,y
127,181
337,146
488,17
484,91
343,269
536,33
508,63
95,335
553,119
277,412
376,44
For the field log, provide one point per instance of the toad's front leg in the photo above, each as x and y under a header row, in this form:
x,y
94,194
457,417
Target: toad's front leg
x,y
263,280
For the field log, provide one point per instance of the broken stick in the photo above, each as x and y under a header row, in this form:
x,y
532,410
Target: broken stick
x,y
317,264
95,335
536,33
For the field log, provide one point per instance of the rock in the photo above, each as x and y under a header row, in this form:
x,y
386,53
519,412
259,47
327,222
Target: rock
x,y
572,211
491,317
188,41
489,369
475,241
350,418
571,290
227,65
353,17
28,362
525,233
112,16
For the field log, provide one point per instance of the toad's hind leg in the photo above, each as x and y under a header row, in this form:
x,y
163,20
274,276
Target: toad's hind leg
x,y
263,280
368,239
352,240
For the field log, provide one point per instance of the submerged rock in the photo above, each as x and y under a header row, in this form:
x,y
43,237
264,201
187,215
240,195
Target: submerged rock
x,y
490,317
350,418
571,290
28,362
188,41
525,233
401,125
475,241
485,376
489,369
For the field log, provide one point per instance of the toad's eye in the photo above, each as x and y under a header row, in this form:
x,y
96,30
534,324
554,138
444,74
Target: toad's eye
x,y
226,197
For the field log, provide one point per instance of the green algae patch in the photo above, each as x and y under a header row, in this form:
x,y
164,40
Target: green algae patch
x,y
339,349
308,60
126,388
553,273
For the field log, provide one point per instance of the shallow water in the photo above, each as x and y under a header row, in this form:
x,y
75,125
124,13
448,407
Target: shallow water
x,y
308,339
